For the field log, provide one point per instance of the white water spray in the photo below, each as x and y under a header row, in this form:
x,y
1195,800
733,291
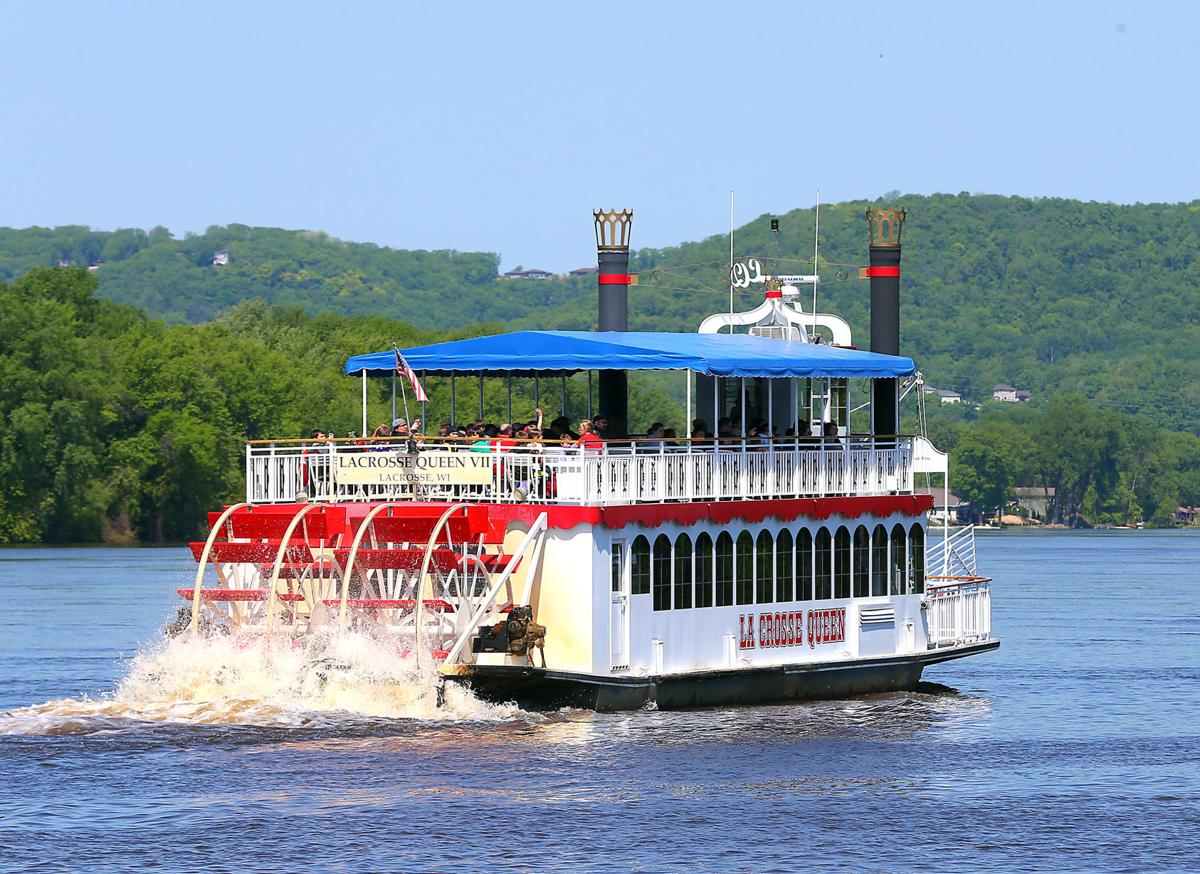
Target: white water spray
x,y
327,679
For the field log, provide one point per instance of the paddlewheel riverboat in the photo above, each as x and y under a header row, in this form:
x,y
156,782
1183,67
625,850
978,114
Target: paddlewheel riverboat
x,y
627,573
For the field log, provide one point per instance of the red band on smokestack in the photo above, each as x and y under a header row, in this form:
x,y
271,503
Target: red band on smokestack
x,y
883,271
774,294
614,279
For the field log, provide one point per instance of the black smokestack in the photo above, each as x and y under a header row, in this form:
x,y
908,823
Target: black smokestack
x,y
612,259
885,226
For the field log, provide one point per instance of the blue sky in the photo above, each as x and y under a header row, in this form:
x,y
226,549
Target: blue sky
x,y
499,126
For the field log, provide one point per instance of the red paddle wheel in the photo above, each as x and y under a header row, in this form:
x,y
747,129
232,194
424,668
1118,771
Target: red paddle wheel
x,y
421,574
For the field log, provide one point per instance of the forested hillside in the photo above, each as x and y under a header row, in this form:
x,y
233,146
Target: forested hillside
x,y
177,280
1050,295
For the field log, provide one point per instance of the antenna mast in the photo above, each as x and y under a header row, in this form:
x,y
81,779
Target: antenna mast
x,y
816,272
731,257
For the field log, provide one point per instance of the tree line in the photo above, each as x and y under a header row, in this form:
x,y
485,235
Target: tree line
x,y
1097,466
119,427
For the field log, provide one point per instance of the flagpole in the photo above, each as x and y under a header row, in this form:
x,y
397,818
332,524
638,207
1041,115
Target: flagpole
x,y
403,394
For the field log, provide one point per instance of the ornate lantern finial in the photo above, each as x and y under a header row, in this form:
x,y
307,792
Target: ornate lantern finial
x,y
612,229
886,226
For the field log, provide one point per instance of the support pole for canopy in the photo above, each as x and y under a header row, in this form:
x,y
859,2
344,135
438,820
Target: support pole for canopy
x,y
770,408
508,388
393,397
687,403
796,407
742,404
563,407
481,396
537,391
716,384
589,394
453,417
424,405
364,399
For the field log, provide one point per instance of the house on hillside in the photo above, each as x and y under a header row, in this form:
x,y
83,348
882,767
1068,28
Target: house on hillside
x,y
959,510
95,265
1034,500
1009,395
220,259
584,271
1186,516
531,273
944,396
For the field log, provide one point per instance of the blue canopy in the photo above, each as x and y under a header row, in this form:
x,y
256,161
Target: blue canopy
x,y
526,353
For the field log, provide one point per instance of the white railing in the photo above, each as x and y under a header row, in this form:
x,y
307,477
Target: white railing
x,y
959,610
281,471
952,556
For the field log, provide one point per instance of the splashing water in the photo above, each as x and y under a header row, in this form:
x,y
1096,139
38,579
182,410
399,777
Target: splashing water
x,y
219,680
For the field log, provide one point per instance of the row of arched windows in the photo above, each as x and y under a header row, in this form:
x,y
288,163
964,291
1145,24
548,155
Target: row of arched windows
x,y
773,568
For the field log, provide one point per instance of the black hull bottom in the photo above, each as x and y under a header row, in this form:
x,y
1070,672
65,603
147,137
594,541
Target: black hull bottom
x,y
540,689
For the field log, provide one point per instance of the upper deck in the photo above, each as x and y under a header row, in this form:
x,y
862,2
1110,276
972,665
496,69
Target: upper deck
x,y
625,472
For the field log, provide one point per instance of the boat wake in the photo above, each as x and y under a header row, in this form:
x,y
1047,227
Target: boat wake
x,y
330,680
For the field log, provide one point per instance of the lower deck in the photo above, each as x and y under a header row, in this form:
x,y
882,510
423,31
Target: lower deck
x,y
624,596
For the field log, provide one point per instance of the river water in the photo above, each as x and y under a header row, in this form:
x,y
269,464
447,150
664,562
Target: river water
x,y
1075,747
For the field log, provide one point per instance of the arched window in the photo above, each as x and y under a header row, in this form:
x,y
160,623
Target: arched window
x,y
744,570
804,565
824,561
862,567
916,539
661,569
783,566
899,571
879,561
639,571
841,564
683,572
764,569
704,571
724,569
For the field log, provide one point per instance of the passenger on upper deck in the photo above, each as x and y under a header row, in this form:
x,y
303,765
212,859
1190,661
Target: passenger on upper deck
x,y
600,427
504,437
316,459
379,437
560,429
654,441
588,438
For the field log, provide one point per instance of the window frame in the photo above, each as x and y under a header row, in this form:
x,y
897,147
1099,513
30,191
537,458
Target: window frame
x,y
661,589
683,571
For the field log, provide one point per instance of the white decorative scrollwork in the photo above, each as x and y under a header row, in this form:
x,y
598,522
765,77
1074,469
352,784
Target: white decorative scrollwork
x,y
746,272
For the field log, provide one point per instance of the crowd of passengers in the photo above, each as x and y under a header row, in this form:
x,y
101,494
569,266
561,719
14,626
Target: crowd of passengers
x,y
590,434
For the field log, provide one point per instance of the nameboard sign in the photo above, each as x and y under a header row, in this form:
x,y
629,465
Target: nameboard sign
x,y
435,468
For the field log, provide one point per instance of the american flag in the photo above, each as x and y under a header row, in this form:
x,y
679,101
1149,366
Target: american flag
x,y
411,375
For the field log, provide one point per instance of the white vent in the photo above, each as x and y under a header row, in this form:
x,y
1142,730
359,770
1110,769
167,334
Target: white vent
x,y
884,615
775,332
